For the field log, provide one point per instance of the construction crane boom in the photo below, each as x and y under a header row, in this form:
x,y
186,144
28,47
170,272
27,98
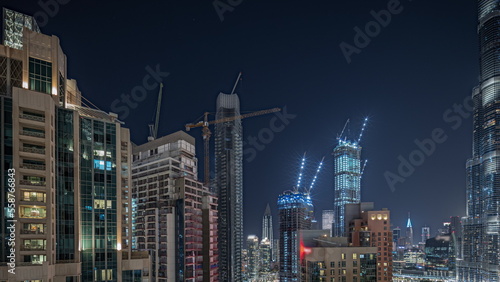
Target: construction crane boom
x,y
226,119
153,128
206,133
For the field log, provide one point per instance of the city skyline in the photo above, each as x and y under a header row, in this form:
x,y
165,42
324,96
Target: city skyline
x,y
303,128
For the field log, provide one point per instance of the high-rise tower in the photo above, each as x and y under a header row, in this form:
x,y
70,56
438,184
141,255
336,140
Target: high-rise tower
x,y
70,166
409,233
347,182
229,186
426,233
295,214
481,250
267,226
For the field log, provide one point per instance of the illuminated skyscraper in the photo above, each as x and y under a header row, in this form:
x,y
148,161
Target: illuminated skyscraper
x,y
327,220
347,182
229,186
295,213
253,256
481,238
267,227
409,233
426,233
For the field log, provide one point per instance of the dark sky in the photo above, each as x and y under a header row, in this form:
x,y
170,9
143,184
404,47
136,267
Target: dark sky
x,y
418,66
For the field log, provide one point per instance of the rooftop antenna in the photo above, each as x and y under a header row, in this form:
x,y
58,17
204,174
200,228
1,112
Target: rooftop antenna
x,y
302,164
362,130
316,175
342,133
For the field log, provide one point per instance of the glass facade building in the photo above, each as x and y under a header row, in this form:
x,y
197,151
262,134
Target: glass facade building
x,y
295,214
70,183
98,200
347,182
481,249
229,187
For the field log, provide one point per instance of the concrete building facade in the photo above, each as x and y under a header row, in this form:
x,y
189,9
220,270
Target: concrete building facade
x,y
175,214
69,164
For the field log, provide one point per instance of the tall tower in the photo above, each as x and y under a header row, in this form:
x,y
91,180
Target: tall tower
x,y
327,218
482,223
253,256
347,182
295,213
426,233
267,227
409,233
229,186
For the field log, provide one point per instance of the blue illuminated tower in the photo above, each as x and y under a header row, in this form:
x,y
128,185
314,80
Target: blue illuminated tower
x,y
295,213
347,182
481,226
409,233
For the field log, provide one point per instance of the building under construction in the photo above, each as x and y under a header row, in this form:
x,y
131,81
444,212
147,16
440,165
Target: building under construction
x,y
347,182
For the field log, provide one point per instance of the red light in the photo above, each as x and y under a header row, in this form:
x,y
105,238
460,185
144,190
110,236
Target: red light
x,y
303,250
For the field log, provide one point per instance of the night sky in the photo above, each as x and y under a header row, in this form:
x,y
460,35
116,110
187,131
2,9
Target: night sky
x,y
418,66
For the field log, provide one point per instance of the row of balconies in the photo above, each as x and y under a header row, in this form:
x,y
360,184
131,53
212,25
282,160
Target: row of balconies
x,y
33,150
32,117
33,133
33,166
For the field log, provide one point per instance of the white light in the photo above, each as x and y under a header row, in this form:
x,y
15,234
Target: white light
x,y
119,246
54,91
25,85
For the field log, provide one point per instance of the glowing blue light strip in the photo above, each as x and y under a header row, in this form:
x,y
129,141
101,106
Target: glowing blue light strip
x,y
316,175
301,171
362,130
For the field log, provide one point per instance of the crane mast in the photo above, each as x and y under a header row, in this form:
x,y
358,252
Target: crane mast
x,y
153,128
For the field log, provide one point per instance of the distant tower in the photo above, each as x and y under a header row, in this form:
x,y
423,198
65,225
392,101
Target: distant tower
x,y
253,256
229,185
267,227
295,213
327,220
409,233
265,255
347,183
426,233
396,235
267,224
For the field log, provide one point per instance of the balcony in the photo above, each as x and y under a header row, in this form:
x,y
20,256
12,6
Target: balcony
x,y
33,150
33,133
32,117
33,166
31,182
33,248
32,232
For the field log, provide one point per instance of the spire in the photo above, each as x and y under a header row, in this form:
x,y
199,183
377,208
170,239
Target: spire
x,y
268,210
408,225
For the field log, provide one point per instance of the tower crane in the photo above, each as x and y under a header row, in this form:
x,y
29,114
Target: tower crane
x,y
153,128
206,133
